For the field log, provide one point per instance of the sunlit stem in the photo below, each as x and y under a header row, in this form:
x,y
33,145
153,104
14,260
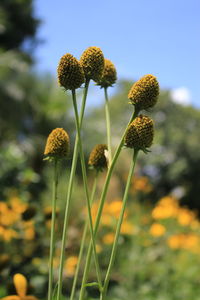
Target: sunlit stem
x,y
53,220
108,128
86,189
119,223
101,205
83,242
69,194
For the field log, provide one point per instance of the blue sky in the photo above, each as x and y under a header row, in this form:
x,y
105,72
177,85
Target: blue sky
x,y
160,37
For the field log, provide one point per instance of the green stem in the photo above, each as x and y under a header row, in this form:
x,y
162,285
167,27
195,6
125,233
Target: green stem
x,y
86,189
83,242
108,126
119,223
69,194
101,205
52,238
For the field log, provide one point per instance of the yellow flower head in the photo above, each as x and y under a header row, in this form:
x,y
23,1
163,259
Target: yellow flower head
x,y
144,92
70,265
157,230
20,283
140,133
57,145
97,158
70,72
108,238
167,207
109,76
92,61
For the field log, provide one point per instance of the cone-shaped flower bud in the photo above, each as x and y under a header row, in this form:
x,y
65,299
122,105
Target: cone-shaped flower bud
x,y
92,61
70,72
144,92
57,146
109,76
98,157
140,133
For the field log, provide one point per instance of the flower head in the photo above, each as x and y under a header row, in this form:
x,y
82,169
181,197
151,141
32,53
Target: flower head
x,y
140,133
157,229
70,72
109,76
57,146
92,61
20,284
144,92
97,158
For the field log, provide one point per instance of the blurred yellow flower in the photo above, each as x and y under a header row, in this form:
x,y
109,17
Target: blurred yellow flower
x,y
189,241
106,220
167,207
175,241
141,184
108,238
127,228
70,265
157,230
185,216
114,208
20,284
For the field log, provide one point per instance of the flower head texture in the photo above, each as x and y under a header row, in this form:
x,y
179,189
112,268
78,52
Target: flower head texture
x,y
70,72
92,61
109,76
57,146
140,133
97,158
144,92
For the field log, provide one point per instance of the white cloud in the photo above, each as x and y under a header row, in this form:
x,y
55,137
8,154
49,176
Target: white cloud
x,y
181,95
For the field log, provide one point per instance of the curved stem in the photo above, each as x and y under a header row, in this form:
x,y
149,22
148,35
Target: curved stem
x,y
108,126
86,189
83,242
69,193
119,223
101,205
52,238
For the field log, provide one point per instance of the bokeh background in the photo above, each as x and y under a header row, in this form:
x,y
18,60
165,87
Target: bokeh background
x,y
160,243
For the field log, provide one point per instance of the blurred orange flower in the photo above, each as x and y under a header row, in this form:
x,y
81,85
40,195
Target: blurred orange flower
x,y
157,230
20,284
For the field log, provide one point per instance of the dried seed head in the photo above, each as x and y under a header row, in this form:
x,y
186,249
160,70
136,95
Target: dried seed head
x,y
57,146
144,92
140,133
92,61
98,158
109,76
70,72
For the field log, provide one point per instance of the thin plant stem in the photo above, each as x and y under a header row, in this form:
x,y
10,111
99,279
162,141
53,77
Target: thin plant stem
x,y
86,189
52,238
101,205
83,242
69,194
119,223
108,127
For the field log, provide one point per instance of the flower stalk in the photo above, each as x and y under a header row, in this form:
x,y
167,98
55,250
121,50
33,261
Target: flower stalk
x,y
69,192
108,127
86,190
119,223
83,241
101,205
52,238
